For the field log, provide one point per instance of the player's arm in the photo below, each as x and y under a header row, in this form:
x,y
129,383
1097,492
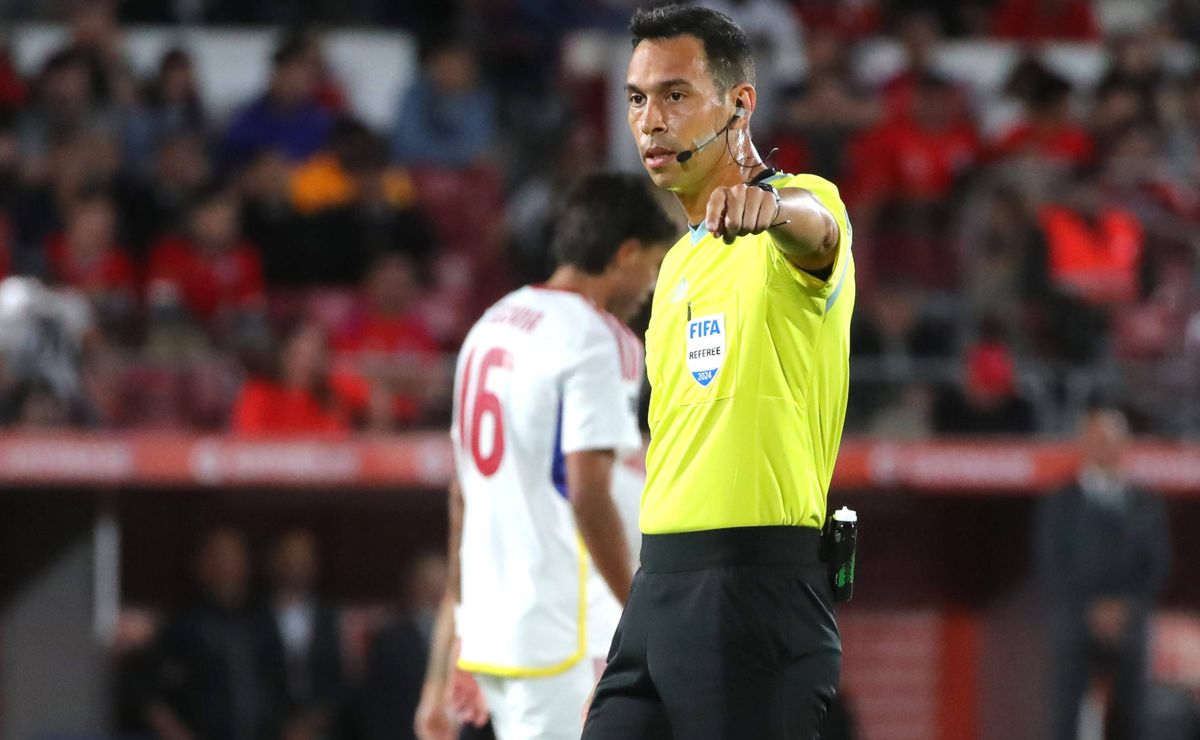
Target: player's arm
x,y
589,487
432,720
165,723
801,227
437,671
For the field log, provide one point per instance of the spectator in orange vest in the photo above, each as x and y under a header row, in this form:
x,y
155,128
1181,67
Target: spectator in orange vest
x,y
1094,250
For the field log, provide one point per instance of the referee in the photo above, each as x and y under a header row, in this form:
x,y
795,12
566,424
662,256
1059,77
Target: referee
x,y
729,630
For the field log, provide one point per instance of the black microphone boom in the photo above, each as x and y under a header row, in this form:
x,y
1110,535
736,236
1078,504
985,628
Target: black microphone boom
x,y
687,154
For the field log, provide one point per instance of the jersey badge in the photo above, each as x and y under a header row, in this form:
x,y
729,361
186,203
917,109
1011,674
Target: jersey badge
x,y
705,347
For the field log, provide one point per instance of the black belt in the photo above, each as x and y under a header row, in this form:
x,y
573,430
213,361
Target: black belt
x,y
716,548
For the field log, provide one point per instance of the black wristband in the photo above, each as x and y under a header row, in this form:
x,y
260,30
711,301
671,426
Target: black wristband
x,y
778,199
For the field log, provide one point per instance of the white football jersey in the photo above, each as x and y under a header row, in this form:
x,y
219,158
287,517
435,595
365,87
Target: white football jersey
x,y
542,374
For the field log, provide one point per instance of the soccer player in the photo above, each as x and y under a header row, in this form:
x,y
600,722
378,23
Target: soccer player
x,y
546,393
729,630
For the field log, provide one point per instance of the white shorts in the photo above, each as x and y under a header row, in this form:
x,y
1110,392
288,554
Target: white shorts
x,y
543,708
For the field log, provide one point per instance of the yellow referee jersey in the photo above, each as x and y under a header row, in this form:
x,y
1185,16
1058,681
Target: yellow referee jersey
x,y
748,362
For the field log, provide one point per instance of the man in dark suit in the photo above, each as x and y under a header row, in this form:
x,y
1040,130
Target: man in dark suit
x,y
1102,554
206,677
305,641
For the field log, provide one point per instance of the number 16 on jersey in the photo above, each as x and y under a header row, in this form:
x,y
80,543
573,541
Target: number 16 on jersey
x,y
484,404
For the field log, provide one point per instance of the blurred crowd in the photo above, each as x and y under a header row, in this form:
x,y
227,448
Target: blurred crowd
x,y
257,653
288,268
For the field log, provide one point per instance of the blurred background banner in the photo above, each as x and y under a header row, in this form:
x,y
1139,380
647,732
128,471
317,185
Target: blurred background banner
x,y
241,242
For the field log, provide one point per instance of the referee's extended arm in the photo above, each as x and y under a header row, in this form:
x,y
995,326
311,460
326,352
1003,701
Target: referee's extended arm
x,y
801,227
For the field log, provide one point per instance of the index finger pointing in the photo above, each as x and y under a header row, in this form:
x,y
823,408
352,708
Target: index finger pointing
x,y
714,217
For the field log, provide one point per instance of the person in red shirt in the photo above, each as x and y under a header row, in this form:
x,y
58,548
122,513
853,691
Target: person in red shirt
x,y
1049,131
298,398
387,362
210,271
922,155
1047,19
919,33
905,174
85,255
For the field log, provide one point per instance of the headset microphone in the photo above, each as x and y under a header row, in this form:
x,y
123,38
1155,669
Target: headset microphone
x,y
687,154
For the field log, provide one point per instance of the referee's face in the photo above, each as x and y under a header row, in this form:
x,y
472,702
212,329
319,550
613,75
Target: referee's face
x,y
674,105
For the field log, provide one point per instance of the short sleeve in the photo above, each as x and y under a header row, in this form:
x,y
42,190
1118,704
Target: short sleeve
x,y
597,413
827,193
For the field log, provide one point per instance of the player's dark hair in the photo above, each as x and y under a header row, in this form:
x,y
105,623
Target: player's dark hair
x,y
292,47
601,212
725,45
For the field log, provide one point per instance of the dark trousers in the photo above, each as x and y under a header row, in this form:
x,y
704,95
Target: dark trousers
x,y
727,634
1078,660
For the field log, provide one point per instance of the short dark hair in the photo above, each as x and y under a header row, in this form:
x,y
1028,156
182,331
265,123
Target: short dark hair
x,y
293,46
599,213
211,192
725,45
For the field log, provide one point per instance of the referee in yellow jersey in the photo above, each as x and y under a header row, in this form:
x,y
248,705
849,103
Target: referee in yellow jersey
x,y
729,630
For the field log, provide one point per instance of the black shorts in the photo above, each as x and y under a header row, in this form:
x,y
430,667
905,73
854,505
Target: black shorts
x,y
727,634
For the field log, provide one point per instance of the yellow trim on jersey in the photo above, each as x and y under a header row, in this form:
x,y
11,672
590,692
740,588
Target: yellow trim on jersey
x,y
551,670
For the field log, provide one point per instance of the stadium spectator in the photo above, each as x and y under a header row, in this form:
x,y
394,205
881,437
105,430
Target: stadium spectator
x,y
396,659
96,38
47,339
1183,16
269,220
1136,58
1007,268
533,207
1182,130
209,271
447,117
1101,550
326,180
1046,19
921,156
62,103
907,171
295,397
1094,248
209,676
910,417
898,323
920,33
354,208
329,94
86,257
12,85
1048,130
817,117
10,167
988,402
852,20
33,405
387,356
1118,105
306,648
155,202
171,106
288,116
41,199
